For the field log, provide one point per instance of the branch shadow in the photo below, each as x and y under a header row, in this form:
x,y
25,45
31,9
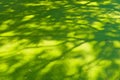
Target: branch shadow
x,y
59,40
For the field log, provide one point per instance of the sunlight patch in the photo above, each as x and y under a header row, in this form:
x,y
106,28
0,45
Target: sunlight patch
x,y
28,17
6,24
73,64
47,68
116,44
98,25
81,2
94,72
85,47
49,43
10,33
9,49
3,67
39,3
93,4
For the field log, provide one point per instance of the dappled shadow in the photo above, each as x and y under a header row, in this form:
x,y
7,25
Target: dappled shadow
x,y
59,40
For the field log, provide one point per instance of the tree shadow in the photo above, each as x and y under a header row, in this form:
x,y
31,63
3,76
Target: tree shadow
x,y
59,40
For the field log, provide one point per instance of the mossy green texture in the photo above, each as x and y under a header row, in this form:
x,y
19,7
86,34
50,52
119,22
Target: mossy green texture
x,y
59,40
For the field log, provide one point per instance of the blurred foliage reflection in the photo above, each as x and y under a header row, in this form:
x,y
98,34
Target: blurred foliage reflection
x,y
59,40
